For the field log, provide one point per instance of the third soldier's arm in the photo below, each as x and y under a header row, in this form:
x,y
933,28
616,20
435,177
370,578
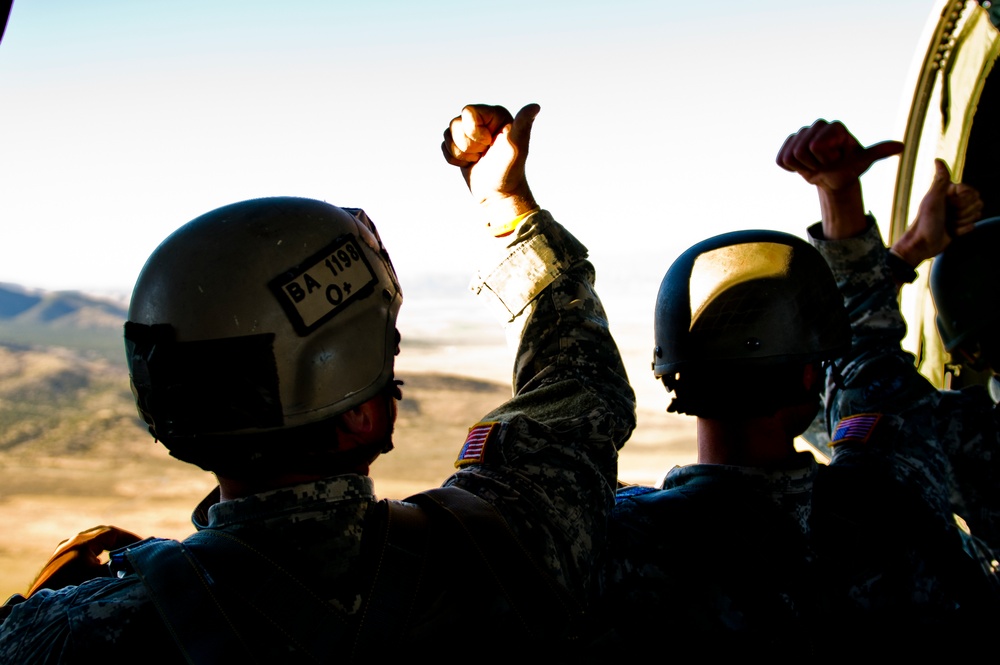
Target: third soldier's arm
x,y
828,156
877,375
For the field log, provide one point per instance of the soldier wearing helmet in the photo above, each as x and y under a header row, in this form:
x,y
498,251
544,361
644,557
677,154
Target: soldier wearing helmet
x,y
260,341
964,287
719,555
248,387
758,549
942,445
745,301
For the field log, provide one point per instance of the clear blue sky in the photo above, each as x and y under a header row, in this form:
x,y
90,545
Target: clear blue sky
x,y
123,119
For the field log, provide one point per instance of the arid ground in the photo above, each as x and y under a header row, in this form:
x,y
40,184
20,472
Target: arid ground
x,y
74,455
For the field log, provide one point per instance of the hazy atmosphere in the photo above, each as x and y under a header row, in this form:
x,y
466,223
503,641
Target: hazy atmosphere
x,y
123,120
659,124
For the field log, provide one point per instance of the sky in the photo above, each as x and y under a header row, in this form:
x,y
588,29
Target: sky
x,y
122,120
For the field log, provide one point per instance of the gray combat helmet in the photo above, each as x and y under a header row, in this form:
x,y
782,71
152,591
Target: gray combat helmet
x,y
965,285
737,305
257,321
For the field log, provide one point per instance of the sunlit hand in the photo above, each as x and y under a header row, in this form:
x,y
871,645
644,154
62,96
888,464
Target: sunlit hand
x,y
491,148
827,155
964,209
947,211
77,560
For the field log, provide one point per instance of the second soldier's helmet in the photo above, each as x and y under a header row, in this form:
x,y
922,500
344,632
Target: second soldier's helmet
x,y
255,324
965,285
735,309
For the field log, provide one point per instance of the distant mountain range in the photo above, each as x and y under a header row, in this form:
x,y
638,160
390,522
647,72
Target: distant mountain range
x,y
92,324
77,310
34,318
68,309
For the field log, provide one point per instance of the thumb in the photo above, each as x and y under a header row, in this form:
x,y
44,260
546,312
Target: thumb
x,y
941,170
879,151
520,130
942,177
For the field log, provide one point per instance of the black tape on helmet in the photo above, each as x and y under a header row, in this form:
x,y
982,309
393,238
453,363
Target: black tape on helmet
x,y
261,320
737,306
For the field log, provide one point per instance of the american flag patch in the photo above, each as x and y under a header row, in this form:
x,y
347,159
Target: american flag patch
x,y
474,449
855,428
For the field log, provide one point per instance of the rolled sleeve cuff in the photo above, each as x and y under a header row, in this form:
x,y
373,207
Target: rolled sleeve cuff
x,y
541,251
863,256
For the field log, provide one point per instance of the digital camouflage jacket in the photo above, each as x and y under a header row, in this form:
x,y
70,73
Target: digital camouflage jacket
x,y
546,461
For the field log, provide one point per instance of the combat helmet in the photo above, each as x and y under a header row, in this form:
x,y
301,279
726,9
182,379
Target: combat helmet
x,y
255,324
735,309
965,285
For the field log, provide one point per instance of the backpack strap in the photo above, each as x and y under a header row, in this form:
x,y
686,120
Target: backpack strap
x,y
316,627
199,587
541,604
182,595
399,558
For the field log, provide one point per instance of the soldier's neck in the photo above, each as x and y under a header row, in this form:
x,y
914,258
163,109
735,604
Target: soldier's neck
x,y
754,442
238,488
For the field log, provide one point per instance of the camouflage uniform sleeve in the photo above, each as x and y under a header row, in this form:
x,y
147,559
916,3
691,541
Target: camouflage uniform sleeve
x,y
547,459
876,373
948,440
105,618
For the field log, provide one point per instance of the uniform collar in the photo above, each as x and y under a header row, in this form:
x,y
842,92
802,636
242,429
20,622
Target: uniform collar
x,y
797,477
316,496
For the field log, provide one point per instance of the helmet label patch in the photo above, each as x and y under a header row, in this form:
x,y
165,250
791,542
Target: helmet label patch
x,y
323,285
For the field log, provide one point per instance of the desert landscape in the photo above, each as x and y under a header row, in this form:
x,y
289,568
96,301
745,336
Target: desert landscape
x,y
73,453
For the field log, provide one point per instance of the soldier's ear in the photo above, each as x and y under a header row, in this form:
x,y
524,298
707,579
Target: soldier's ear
x,y
361,419
367,423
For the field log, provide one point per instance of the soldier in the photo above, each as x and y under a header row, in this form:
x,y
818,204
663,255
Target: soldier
x,y
261,339
964,287
953,437
757,549
719,556
940,446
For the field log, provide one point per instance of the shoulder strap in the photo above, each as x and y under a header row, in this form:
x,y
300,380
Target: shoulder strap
x,y
315,628
401,553
201,606
182,595
195,584
541,604
192,599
